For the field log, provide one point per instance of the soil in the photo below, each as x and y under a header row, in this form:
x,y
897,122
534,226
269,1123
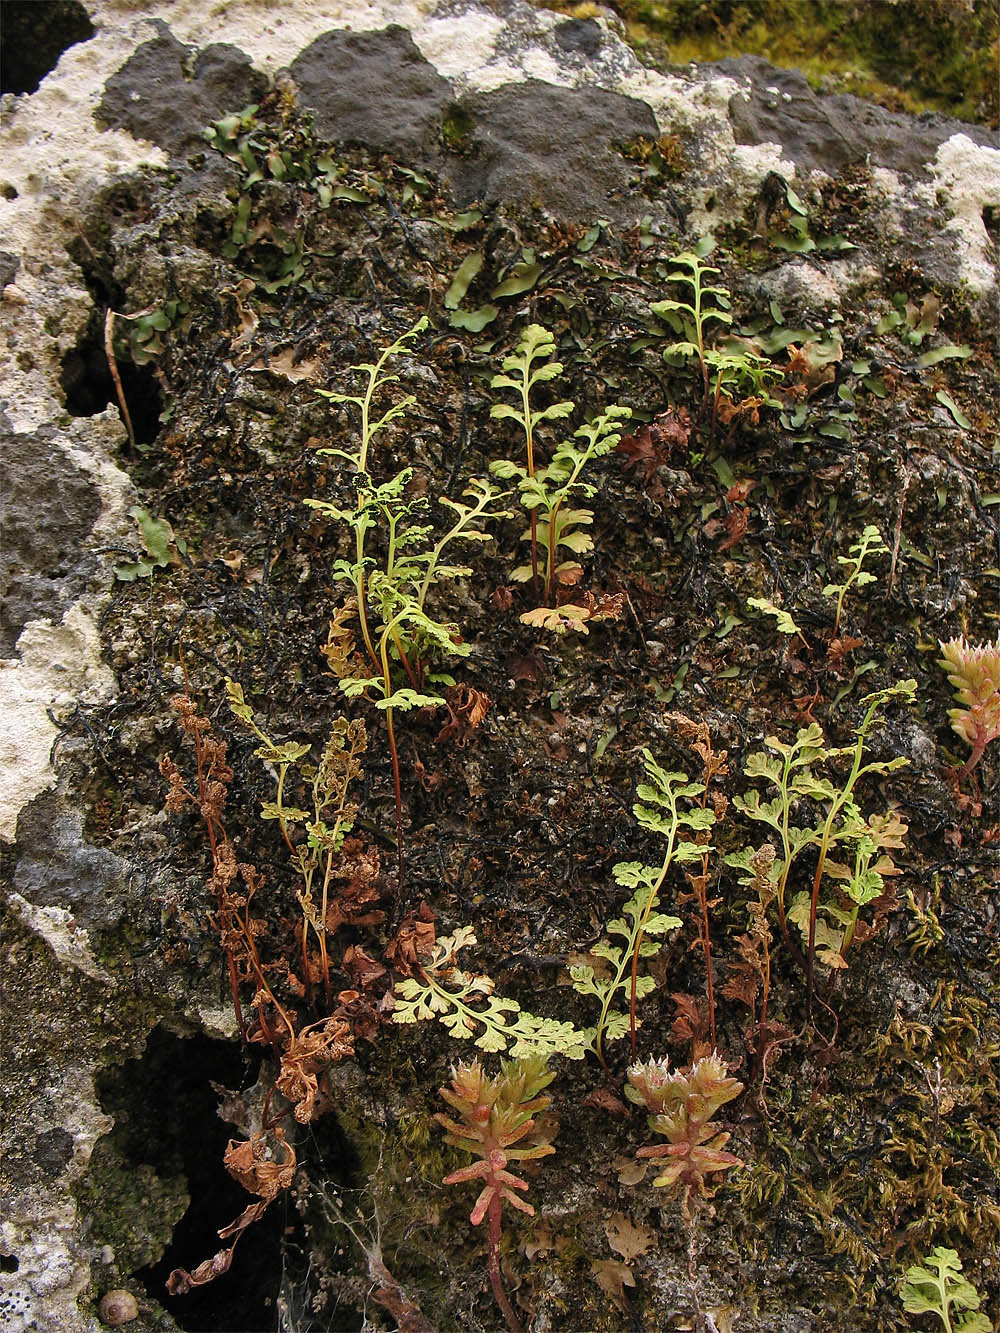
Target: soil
x,y
869,1127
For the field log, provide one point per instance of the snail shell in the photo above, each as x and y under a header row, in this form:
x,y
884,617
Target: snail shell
x,y
117,1307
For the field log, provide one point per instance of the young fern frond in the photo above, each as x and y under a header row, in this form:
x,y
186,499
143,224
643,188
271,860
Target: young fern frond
x,y
658,811
396,590
521,375
545,492
633,927
869,544
325,825
789,770
377,380
691,318
465,1003
937,1287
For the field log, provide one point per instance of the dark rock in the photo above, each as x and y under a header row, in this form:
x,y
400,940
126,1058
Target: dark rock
x,y
580,36
830,133
160,95
53,1151
57,867
9,264
373,88
47,509
558,148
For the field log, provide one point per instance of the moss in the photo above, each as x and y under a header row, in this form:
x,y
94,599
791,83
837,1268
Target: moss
x,y
130,1207
456,129
925,55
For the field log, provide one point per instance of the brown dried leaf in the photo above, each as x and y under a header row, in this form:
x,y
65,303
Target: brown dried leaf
x,y
249,1163
466,709
627,1238
630,1171
181,1281
361,968
414,940
605,1099
613,1277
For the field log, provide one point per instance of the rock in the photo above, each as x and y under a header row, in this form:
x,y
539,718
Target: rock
x,y
535,126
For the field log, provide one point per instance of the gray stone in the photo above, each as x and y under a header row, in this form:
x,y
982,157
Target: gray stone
x,y
58,867
373,88
558,148
47,509
165,94
828,133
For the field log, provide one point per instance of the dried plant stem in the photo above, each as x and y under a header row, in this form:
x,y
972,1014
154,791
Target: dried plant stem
x,y
496,1278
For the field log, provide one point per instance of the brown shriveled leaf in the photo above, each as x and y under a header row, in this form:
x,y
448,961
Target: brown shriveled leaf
x,y
736,523
307,1057
413,941
605,1099
527,666
690,1024
466,709
630,1170
285,364
248,1162
180,1281
651,446
606,606
613,1277
627,1238
361,968
340,643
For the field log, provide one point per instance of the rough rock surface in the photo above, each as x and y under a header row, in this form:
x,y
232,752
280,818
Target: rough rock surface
x,y
110,196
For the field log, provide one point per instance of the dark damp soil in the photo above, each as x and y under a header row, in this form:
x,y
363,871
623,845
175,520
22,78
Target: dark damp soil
x,y
869,1129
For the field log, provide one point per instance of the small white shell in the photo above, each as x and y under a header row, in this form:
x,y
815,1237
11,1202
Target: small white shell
x,y
117,1307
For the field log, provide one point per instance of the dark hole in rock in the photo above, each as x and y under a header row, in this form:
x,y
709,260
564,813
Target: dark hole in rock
x,y
35,34
9,1263
991,221
165,1111
89,388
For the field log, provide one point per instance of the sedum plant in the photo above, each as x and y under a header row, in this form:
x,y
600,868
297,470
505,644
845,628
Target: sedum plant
x,y
494,1115
682,1106
937,1287
974,674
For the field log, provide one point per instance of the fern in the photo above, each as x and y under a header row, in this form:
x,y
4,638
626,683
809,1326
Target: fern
x,y
465,1003
657,811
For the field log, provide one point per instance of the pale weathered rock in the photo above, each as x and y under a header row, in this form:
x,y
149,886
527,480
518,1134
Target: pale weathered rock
x,y
507,105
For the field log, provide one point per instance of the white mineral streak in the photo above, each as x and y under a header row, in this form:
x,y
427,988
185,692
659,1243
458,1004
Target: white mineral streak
x,y
42,1233
271,34
68,941
462,48
969,177
59,665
